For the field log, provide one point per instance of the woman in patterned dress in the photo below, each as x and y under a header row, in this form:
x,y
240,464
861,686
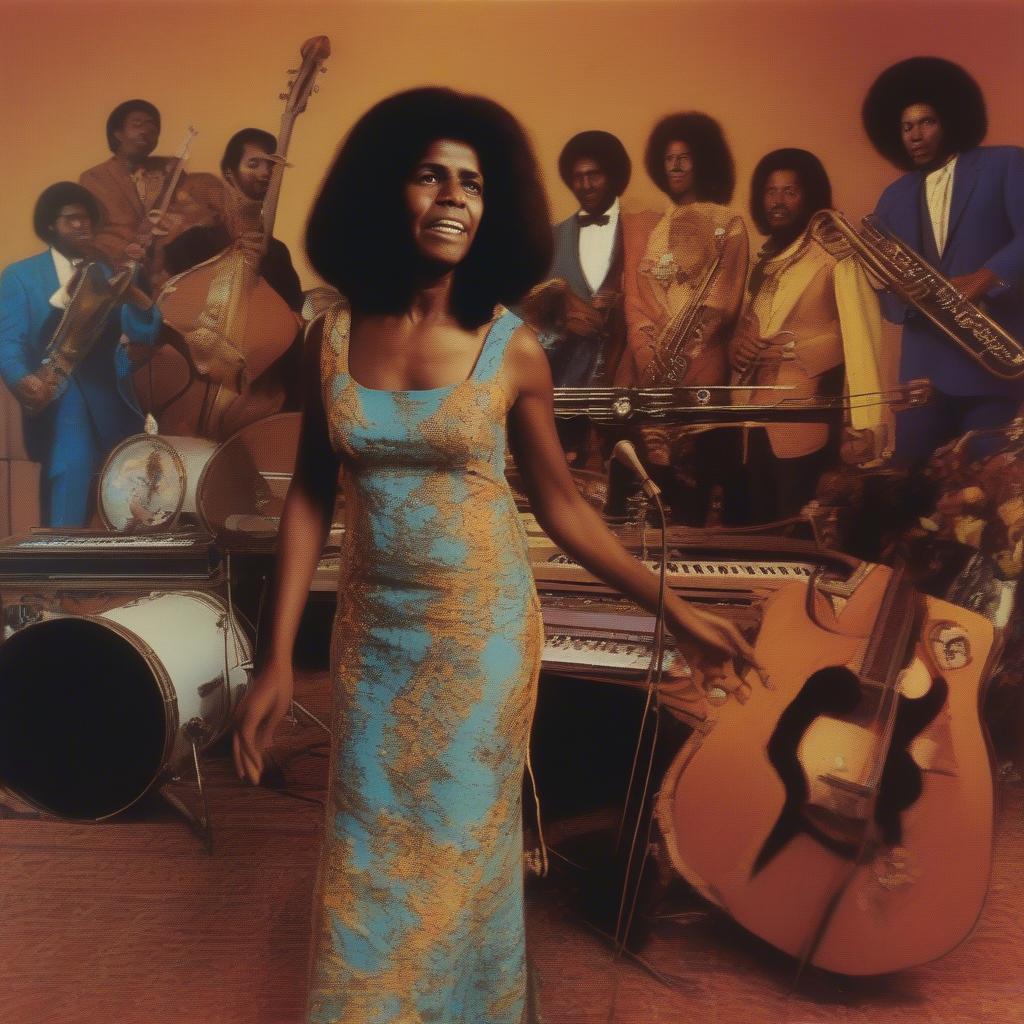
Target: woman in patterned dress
x,y
431,216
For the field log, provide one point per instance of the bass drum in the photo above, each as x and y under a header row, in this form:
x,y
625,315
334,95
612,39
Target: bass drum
x,y
96,710
149,482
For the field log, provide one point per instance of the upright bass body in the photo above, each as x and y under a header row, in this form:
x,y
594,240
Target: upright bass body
x,y
767,815
227,363
235,329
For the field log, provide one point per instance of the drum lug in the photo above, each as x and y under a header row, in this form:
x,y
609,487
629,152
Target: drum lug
x,y
195,730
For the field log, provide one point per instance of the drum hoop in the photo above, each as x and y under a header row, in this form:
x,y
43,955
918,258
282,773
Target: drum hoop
x,y
167,694
165,685
179,465
163,682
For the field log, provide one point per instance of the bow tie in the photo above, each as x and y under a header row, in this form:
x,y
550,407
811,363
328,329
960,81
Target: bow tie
x,y
586,221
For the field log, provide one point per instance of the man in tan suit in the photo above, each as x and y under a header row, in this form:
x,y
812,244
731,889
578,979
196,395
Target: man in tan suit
x,y
683,286
128,187
810,322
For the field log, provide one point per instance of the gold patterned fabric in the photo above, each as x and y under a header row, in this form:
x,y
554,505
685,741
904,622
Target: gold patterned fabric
x,y
435,653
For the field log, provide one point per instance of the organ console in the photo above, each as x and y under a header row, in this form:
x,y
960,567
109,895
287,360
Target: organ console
x,y
592,632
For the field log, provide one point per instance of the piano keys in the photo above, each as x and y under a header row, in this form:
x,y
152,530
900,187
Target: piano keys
x,y
603,645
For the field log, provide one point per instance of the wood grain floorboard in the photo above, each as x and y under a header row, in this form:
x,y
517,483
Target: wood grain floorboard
x,y
130,922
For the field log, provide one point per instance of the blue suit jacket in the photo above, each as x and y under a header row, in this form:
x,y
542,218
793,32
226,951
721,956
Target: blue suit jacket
x,y
986,229
27,322
576,363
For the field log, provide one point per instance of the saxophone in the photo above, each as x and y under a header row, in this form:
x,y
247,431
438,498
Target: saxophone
x,y
675,347
933,295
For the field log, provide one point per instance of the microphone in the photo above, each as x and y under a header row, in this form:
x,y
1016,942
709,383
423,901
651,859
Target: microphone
x,y
625,453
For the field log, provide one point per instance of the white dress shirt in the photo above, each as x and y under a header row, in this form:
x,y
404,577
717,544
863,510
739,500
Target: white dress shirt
x,y
65,271
938,194
596,244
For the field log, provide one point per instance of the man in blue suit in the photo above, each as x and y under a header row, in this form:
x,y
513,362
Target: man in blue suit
x,y
95,409
961,206
585,331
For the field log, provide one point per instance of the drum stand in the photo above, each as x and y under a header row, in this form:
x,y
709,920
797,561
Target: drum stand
x,y
296,706
196,732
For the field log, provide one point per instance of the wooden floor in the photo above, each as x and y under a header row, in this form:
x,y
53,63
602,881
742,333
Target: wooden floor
x,y
131,922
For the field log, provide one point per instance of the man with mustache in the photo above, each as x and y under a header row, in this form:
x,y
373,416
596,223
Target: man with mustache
x,y
128,187
246,166
961,206
70,425
810,320
578,312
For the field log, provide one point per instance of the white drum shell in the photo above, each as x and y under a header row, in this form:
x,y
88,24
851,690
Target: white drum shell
x,y
199,655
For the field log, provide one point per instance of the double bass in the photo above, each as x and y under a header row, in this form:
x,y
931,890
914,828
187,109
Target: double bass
x,y
223,366
844,814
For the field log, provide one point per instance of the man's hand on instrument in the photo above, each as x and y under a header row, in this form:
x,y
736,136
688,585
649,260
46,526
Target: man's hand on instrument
x,y
250,244
581,319
745,350
745,344
975,286
857,446
164,223
33,393
134,252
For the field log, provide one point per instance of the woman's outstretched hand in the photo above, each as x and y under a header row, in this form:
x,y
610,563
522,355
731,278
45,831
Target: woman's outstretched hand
x,y
257,717
721,641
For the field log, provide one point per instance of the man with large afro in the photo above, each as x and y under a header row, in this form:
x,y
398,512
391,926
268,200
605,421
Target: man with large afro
x,y
961,206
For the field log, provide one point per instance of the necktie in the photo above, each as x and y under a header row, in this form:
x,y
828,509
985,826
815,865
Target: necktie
x,y
585,220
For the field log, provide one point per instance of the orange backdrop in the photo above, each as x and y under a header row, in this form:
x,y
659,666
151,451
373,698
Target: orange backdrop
x,y
789,73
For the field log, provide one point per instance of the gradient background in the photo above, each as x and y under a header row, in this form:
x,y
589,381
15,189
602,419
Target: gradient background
x,y
773,72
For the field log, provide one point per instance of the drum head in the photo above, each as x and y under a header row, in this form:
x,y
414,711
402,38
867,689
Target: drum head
x,y
142,485
242,490
82,720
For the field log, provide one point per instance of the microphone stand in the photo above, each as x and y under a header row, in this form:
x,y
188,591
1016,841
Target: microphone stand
x,y
631,888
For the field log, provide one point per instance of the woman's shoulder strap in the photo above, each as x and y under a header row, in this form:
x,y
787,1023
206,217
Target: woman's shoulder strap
x,y
493,352
333,325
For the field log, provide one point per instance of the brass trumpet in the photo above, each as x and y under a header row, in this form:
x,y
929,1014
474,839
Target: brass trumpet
x,y
908,273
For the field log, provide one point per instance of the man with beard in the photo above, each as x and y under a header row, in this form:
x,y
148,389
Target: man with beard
x,y
70,424
683,285
810,320
247,166
128,187
584,330
961,206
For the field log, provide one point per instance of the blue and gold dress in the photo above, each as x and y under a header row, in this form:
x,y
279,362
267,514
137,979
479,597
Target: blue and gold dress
x,y
435,654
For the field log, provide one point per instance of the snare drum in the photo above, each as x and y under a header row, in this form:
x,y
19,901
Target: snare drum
x,y
95,710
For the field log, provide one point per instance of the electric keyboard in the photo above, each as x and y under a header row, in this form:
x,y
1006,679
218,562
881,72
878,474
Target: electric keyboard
x,y
603,645
101,556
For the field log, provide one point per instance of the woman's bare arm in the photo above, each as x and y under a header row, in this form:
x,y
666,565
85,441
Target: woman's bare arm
x,y
305,523
573,524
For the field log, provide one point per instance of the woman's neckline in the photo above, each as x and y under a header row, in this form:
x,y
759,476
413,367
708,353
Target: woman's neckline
x,y
418,391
